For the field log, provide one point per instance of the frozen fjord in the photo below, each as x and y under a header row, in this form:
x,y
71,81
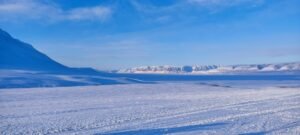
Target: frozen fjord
x,y
214,107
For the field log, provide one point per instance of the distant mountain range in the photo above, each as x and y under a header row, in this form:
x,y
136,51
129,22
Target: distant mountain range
x,y
216,69
18,55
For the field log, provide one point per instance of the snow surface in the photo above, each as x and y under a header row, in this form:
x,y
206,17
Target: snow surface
x,y
35,79
207,107
29,79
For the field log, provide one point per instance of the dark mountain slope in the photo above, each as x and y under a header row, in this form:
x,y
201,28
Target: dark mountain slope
x,y
15,54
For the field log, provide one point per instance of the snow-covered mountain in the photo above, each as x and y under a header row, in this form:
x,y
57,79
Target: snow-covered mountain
x,y
15,54
18,55
216,69
21,65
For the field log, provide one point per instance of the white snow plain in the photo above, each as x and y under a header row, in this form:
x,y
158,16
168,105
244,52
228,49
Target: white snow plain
x,y
162,108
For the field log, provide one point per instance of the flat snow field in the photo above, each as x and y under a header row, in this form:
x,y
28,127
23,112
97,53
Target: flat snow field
x,y
162,108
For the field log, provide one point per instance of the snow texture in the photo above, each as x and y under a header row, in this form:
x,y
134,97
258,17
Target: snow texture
x,y
34,79
202,107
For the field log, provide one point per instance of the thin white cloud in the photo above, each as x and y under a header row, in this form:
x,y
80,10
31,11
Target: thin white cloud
x,y
12,7
97,12
183,4
180,9
223,2
12,10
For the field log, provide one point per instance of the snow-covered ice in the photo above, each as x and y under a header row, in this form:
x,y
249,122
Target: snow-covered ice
x,y
162,108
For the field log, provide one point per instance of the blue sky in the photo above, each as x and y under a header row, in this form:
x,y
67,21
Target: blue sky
x,y
113,34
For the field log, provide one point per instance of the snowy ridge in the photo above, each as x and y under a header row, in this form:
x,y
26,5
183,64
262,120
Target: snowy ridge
x,y
215,69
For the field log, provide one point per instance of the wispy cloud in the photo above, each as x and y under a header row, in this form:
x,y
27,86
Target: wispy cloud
x,y
181,9
97,12
12,10
184,4
223,2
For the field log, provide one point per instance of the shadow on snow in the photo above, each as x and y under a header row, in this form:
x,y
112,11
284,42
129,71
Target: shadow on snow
x,y
168,130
